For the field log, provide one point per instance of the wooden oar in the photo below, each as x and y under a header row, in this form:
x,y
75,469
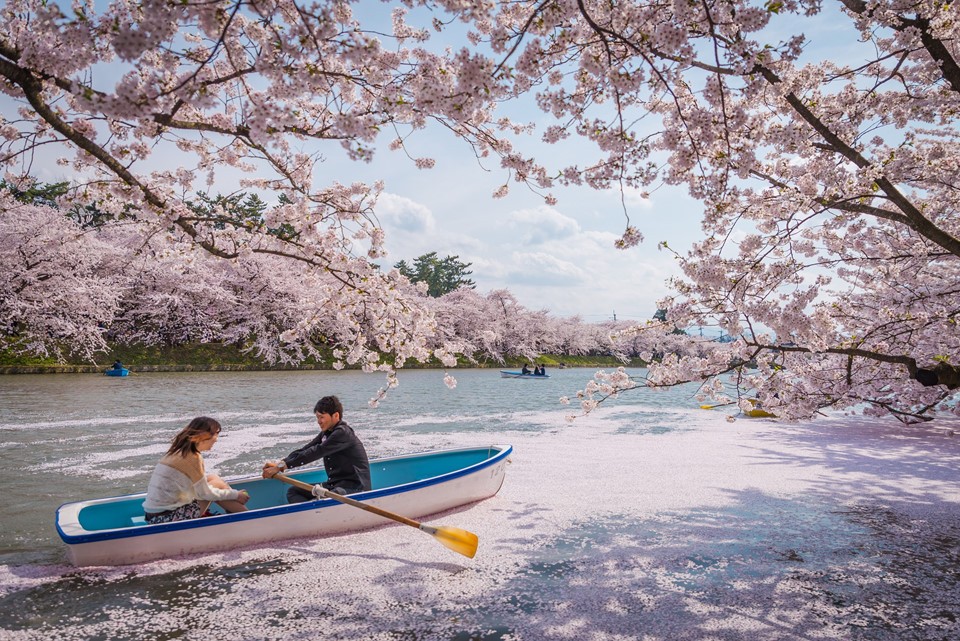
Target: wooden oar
x,y
460,541
711,407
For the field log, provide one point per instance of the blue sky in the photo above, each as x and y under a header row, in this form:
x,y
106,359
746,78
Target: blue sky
x,y
560,258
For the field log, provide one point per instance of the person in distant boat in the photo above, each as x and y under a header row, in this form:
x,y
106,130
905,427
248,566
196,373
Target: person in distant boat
x,y
539,370
117,364
344,457
180,488
525,370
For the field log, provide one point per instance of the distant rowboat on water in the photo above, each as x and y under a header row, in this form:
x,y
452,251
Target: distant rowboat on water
x,y
518,374
123,371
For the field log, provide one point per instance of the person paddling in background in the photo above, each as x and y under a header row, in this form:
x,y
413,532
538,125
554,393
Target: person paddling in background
x,y
344,457
180,488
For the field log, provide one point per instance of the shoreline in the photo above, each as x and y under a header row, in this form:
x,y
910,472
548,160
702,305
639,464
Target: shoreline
x,y
98,369
220,357
137,368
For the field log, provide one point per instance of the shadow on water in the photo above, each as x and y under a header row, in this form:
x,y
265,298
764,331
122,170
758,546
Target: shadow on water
x,y
764,570
885,461
88,600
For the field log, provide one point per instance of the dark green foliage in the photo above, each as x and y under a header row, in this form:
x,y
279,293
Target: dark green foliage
x,y
46,195
37,193
661,315
238,210
235,210
442,275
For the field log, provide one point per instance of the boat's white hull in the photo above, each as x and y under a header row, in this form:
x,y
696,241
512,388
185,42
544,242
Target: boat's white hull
x,y
508,374
316,518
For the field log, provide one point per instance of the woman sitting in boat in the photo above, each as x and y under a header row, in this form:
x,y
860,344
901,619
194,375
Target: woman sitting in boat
x,y
525,370
180,488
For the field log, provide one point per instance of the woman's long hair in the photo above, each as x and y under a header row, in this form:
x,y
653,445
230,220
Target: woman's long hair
x,y
183,442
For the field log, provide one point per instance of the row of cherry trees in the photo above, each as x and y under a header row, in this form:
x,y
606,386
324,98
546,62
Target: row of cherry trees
x,y
496,326
77,287
831,234
74,288
831,225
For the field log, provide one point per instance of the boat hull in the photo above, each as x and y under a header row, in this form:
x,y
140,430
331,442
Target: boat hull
x,y
509,374
116,372
86,526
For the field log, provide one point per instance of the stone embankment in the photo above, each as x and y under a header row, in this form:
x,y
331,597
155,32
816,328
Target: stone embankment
x,y
94,369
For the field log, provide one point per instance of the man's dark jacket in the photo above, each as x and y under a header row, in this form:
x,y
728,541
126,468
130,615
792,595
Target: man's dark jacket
x,y
343,457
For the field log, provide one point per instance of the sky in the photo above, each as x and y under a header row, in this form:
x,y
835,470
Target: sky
x,y
559,258
562,257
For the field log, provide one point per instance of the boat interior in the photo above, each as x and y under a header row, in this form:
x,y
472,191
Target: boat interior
x,y
127,511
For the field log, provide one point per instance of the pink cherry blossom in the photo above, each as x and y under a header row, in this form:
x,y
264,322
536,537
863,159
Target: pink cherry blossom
x,y
830,235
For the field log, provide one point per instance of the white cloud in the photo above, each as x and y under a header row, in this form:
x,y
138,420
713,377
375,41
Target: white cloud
x,y
637,198
403,214
572,270
539,268
543,224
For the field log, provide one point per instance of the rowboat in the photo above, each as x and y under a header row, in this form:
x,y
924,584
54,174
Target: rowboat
x,y
759,413
518,374
112,531
756,410
123,371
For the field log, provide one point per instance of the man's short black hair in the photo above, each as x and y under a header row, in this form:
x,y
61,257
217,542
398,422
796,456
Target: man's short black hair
x,y
329,405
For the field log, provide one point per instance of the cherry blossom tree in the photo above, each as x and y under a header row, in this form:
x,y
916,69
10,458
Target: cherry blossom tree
x,y
493,325
830,227
831,246
69,288
61,284
496,326
149,103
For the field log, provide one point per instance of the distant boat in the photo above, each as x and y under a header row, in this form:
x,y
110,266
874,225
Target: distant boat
x,y
518,374
112,531
756,412
113,371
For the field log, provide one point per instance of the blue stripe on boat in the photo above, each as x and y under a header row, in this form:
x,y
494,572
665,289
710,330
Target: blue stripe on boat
x,y
111,518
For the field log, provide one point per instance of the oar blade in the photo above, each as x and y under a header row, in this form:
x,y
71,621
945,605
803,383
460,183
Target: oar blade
x,y
460,541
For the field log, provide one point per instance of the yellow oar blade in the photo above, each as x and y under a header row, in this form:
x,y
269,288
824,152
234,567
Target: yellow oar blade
x,y
711,407
460,541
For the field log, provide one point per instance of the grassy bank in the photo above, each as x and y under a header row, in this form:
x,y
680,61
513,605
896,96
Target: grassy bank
x,y
217,357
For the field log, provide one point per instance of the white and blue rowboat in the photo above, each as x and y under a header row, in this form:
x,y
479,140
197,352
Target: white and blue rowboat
x,y
518,374
112,531
123,371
